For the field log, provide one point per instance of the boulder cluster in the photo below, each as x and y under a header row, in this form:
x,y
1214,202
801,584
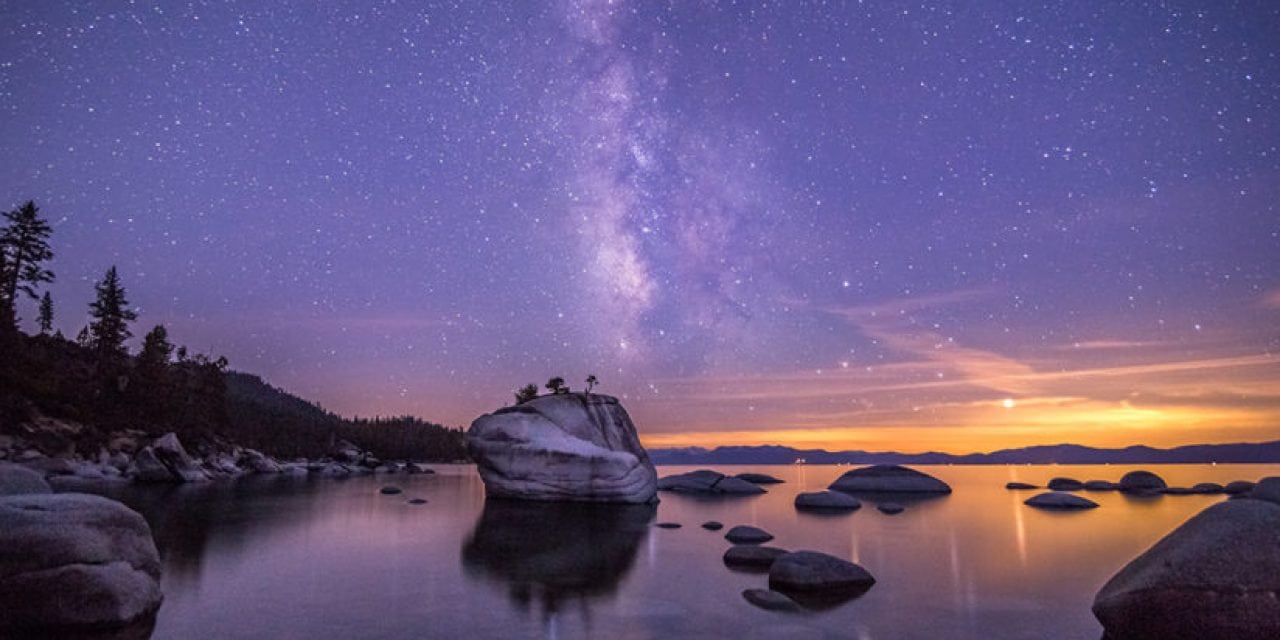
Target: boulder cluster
x,y
132,455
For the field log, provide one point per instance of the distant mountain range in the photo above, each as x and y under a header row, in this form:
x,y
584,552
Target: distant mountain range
x,y
1245,452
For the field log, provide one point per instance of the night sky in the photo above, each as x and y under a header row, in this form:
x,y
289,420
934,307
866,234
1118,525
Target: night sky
x,y
956,226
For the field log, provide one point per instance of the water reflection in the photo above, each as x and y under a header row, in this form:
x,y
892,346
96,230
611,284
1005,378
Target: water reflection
x,y
555,554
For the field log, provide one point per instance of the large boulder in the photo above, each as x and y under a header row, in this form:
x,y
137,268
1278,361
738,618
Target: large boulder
x,y
708,482
889,478
72,563
1065,484
1141,482
16,479
1267,489
165,460
259,462
563,447
1213,578
817,580
752,557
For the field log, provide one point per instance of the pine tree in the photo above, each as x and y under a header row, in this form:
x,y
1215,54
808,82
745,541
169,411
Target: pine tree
x,y
526,393
46,314
111,317
24,247
156,349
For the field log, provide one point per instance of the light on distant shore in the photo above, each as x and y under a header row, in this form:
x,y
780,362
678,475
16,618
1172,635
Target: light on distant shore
x,y
1008,403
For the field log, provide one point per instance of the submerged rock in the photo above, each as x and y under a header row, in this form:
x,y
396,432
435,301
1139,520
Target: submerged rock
x,y
749,556
758,478
668,525
562,447
827,501
1207,488
1238,487
72,563
889,479
390,490
1059,500
771,600
1065,484
708,482
890,508
16,479
712,525
744,534
1213,578
1141,482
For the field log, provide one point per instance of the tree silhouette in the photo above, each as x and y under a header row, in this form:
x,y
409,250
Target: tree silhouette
x,y
111,317
24,247
556,385
46,314
156,349
526,393
592,381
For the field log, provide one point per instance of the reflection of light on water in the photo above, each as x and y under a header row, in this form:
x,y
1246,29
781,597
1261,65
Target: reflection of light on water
x,y
651,550
954,548
853,548
552,628
1019,529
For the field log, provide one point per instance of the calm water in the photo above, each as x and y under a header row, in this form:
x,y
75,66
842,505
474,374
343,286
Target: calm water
x,y
324,558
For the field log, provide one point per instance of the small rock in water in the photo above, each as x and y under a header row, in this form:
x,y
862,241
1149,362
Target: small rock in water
x,y
708,482
417,501
712,525
1060,500
771,600
1020,485
668,525
1100,485
758,478
890,507
1178,491
390,490
1238,487
749,556
1065,484
744,534
827,501
1207,487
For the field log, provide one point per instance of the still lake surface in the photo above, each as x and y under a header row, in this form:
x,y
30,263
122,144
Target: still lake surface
x,y
329,558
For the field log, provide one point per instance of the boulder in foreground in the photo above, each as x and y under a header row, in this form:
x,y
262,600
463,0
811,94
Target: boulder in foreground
x,y
563,447
889,478
1213,578
708,482
1141,482
817,580
16,479
72,563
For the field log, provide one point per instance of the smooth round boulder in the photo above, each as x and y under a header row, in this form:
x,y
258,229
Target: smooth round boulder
x,y
1141,481
889,478
758,478
890,508
1065,484
752,557
1100,485
1267,489
827,501
578,447
708,482
712,525
811,571
1020,485
1213,578
1238,487
745,534
770,600
16,479
1207,488
1059,500
73,562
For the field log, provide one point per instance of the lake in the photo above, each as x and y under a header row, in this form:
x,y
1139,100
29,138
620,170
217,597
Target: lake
x,y
267,557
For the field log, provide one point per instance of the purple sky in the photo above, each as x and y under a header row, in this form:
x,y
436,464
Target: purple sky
x,y
947,226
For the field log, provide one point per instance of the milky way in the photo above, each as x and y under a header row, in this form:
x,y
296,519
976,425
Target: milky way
x,y
894,225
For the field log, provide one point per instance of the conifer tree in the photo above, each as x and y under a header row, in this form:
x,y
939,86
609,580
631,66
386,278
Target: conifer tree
x,y
46,314
156,349
111,317
24,248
